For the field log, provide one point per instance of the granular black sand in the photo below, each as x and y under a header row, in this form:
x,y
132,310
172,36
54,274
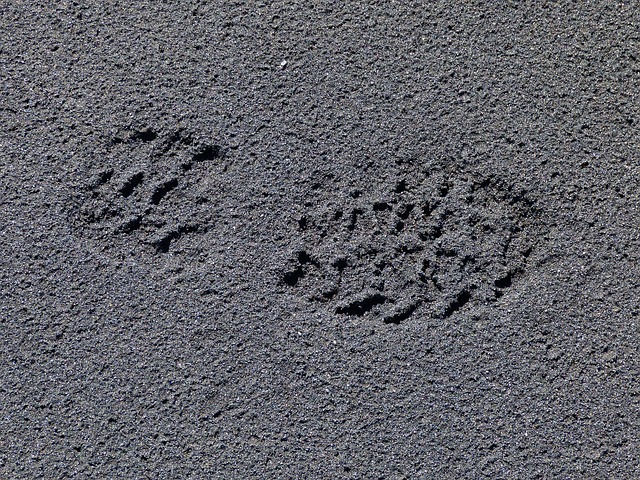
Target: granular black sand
x,y
319,240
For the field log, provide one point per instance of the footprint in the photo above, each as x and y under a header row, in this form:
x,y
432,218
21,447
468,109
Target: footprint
x,y
150,195
431,242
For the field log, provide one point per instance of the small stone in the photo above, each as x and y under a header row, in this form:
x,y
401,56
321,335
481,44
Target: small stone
x,y
554,354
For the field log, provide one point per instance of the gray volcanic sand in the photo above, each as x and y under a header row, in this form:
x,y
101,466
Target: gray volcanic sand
x,y
319,240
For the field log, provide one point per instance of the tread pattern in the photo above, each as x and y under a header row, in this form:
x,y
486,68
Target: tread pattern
x,y
151,190
433,240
